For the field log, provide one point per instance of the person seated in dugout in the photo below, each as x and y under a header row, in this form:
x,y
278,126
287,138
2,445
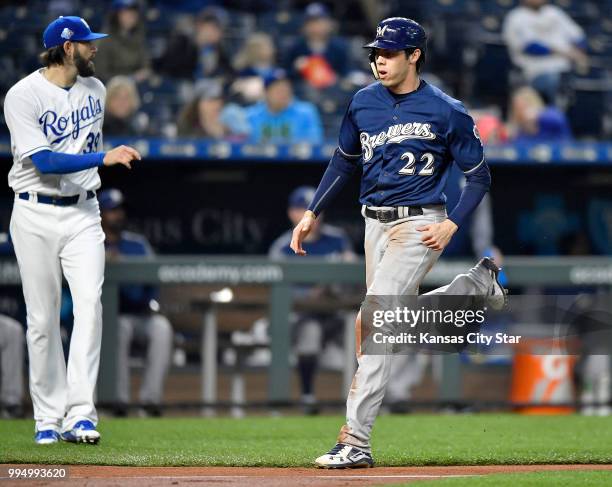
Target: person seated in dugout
x,y
314,333
139,318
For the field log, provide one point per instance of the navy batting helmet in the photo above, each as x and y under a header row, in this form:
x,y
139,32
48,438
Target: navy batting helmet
x,y
398,33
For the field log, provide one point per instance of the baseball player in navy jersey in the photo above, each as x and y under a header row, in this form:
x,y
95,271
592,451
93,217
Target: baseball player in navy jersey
x,y
55,118
404,134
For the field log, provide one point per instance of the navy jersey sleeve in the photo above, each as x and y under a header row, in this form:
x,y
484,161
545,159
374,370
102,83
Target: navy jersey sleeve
x,y
348,140
464,141
341,166
466,149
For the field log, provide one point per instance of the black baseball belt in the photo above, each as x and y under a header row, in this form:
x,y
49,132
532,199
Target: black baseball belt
x,y
388,215
56,200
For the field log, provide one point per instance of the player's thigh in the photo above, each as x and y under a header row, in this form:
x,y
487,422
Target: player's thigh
x,y
125,328
155,327
375,242
83,257
11,332
406,260
36,240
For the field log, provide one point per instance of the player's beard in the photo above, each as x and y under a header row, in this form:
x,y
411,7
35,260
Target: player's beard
x,y
84,67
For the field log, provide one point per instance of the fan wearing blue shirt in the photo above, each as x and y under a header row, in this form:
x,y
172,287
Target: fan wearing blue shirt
x,y
281,118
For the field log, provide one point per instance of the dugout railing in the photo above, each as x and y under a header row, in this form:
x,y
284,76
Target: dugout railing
x,y
280,276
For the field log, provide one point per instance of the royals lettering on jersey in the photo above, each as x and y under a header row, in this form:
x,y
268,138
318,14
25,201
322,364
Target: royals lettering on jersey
x,y
55,125
43,116
407,143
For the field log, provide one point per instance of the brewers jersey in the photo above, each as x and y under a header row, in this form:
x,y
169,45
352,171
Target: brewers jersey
x,y
407,142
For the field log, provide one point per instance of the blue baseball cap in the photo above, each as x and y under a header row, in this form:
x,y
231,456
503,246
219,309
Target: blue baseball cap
x,y
301,197
69,28
274,76
316,11
109,199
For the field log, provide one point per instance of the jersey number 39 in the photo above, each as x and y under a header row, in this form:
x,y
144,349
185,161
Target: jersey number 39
x,y
409,168
91,143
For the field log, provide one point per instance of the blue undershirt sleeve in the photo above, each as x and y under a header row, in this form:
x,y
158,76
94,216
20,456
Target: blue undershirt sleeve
x,y
340,169
48,162
536,49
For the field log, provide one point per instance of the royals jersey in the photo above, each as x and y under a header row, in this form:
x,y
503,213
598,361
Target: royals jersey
x,y
43,116
406,143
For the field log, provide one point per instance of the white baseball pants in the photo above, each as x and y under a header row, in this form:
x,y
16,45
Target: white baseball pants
x,y
50,241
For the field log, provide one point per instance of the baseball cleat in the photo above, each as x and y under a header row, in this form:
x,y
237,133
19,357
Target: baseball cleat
x,y
345,456
498,297
46,437
82,432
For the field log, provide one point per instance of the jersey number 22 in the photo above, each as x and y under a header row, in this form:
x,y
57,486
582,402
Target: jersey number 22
x,y
409,168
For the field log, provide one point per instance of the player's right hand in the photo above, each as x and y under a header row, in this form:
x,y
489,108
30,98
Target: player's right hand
x,y
122,155
301,231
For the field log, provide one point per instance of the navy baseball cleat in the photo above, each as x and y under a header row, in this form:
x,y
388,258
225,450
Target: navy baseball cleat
x,y
345,456
46,437
82,432
498,297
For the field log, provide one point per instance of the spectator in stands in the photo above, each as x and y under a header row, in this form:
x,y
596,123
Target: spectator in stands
x,y
312,331
282,119
12,345
253,63
490,126
318,57
200,55
208,116
544,42
122,117
531,120
139,319
126,52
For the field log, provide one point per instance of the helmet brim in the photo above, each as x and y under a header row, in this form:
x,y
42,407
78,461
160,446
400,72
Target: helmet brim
x,y
386,44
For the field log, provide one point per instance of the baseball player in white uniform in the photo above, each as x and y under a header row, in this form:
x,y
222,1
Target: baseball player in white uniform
x,y
55,118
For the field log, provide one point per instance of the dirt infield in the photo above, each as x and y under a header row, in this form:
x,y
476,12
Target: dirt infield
x,y
107,476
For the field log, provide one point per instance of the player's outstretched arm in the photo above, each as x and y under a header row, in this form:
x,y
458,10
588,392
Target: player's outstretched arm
x,y
48,162
301,231
122,155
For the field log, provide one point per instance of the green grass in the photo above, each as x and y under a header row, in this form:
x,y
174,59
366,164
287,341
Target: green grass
x,y
535,479
296,441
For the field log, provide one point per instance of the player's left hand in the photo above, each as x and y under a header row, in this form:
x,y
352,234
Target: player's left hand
x,y
301,231
437,235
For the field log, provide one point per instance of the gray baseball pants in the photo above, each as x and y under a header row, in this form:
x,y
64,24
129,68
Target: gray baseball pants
x,y
12,348
155,331
396,264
